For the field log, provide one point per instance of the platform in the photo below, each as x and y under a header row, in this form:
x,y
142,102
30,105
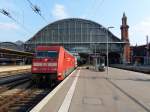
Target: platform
x,y
12,68
139,68
89,91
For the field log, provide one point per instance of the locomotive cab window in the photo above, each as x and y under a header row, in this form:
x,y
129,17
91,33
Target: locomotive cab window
x,y
43,54
52,54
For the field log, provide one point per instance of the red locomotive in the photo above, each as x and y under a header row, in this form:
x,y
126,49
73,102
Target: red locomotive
x,y
52,64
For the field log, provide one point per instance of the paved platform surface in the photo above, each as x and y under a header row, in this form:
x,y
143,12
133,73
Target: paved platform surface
x,y
90,91
13,68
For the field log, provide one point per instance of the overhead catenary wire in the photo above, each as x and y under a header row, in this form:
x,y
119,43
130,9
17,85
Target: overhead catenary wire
x,y
37,10
7,13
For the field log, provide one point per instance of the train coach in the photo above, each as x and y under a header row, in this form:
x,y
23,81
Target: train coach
x,y
51,64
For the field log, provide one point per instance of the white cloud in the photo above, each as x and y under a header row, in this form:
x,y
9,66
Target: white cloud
x,y
59,11
139,31
8,26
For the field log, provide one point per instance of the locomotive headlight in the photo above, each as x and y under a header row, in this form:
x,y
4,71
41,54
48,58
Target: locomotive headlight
x,y
59,74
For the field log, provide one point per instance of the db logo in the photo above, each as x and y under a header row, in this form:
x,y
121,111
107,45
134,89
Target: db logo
x,y
45,64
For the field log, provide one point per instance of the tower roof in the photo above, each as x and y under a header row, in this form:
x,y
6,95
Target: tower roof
x,y
124,15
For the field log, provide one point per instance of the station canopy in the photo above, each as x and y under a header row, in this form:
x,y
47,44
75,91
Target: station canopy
x,y
12,46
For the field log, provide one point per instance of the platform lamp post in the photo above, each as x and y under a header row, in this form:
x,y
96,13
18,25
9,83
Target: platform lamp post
x,y
147,50
107,48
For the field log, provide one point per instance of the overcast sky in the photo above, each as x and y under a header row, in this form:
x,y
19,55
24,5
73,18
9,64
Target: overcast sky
x,y
105,12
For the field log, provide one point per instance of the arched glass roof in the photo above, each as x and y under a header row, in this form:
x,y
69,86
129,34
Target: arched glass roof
x,y
72,30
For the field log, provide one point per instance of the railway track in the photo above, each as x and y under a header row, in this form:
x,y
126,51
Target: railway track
x,y
22,101
19,94
8,83
135,100
10,79
8,96
12,85
22,98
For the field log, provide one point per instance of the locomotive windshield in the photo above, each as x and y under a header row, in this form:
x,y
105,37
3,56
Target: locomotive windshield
x,y
43,54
